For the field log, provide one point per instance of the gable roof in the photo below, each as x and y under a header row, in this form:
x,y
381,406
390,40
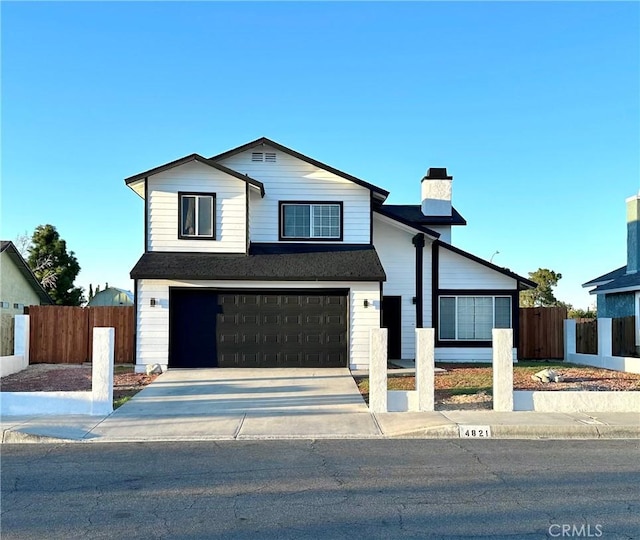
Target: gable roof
x,y
523,283
267,262
196,157
606,278
9,248
413,213
379,193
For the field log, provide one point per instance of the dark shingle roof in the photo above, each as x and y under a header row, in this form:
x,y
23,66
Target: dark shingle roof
x,y
413,213
21,264
614,274
268,262
379,193
624,282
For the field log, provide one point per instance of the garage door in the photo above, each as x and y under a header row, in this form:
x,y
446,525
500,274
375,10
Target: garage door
x,y
258,328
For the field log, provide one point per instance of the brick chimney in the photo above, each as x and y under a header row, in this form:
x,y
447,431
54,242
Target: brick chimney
x,y
436,193
633,234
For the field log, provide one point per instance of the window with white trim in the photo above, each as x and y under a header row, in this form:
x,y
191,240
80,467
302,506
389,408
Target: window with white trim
x,y
197,215
471,318
310,221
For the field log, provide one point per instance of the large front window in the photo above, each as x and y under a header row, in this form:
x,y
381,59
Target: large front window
x,y
310,221
471,318
196,215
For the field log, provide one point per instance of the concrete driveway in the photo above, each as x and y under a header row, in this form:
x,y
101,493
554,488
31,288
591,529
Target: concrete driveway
x,y
185,404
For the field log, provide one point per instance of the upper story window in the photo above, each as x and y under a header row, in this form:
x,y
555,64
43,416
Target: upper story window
x,y
196,219
310,221
471,318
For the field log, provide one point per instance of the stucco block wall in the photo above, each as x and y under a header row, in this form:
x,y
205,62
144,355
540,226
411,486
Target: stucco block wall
x,y
14,289
616,305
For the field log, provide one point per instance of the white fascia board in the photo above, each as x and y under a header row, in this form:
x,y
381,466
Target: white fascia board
x,y
138,187
620,290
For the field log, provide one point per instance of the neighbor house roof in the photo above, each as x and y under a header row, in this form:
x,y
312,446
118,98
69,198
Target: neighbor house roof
x,y
9,248
379,193
606,278
413,213
195,157
523,283
268,262
622,283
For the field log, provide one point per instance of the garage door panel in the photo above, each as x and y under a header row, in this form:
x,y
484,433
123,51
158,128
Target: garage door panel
x,y
258,329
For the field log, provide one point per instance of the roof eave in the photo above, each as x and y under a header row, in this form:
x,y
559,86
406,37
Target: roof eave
x,y
200,159
407,223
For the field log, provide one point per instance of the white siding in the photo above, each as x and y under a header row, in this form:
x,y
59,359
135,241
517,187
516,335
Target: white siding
x,y
196,177
291,179
153,322
467,354
458,272
398,257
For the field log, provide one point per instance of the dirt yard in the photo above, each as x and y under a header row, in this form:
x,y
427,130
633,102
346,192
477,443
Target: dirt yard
x,y
469,386
65,377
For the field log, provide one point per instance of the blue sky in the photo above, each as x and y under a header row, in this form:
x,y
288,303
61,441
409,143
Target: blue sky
x,y
534,109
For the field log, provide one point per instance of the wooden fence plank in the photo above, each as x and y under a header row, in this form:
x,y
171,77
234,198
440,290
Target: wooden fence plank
x,y
541,333
623,335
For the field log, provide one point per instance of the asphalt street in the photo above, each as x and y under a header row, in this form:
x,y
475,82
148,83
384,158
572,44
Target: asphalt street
x,y
323,489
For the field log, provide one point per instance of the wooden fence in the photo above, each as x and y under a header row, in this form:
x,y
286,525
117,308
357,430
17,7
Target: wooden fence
x,y
587,336
541,333
623,336
64,335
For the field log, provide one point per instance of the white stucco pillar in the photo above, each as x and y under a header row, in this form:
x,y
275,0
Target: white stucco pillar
x,y
378,370
102,370
569,339
605,339
21,329
425,368
502,369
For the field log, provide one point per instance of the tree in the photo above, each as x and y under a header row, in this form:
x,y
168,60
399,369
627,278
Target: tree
x,y
55,268
90,291
22,243
582,314
542,295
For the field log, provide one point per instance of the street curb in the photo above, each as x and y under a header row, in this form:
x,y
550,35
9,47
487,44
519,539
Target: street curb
x,y
11,436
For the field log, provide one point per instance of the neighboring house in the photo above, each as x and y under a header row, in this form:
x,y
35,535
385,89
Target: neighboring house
x,y
618,291
111,296
18,288
262,256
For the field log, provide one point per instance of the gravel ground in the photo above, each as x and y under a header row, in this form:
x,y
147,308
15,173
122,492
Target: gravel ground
x,y
68,378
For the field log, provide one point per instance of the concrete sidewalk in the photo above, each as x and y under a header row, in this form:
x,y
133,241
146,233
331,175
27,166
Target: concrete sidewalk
x,y
228,404
427,425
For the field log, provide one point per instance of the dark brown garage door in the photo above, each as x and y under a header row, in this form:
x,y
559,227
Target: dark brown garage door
x,y
210,328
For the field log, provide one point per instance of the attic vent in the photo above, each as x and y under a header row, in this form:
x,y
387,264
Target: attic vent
x,y
270,157
257,156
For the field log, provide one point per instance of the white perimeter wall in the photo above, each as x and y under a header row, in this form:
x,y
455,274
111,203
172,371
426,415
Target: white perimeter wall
x,y
291,179
153,322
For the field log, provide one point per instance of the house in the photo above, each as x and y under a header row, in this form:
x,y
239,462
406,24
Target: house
x,y
18,288
263,256
618,292
111,296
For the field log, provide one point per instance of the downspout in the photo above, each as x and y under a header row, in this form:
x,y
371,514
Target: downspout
x,y
418,242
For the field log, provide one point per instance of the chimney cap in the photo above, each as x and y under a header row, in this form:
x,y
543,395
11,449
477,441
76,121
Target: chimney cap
x,y
437,173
